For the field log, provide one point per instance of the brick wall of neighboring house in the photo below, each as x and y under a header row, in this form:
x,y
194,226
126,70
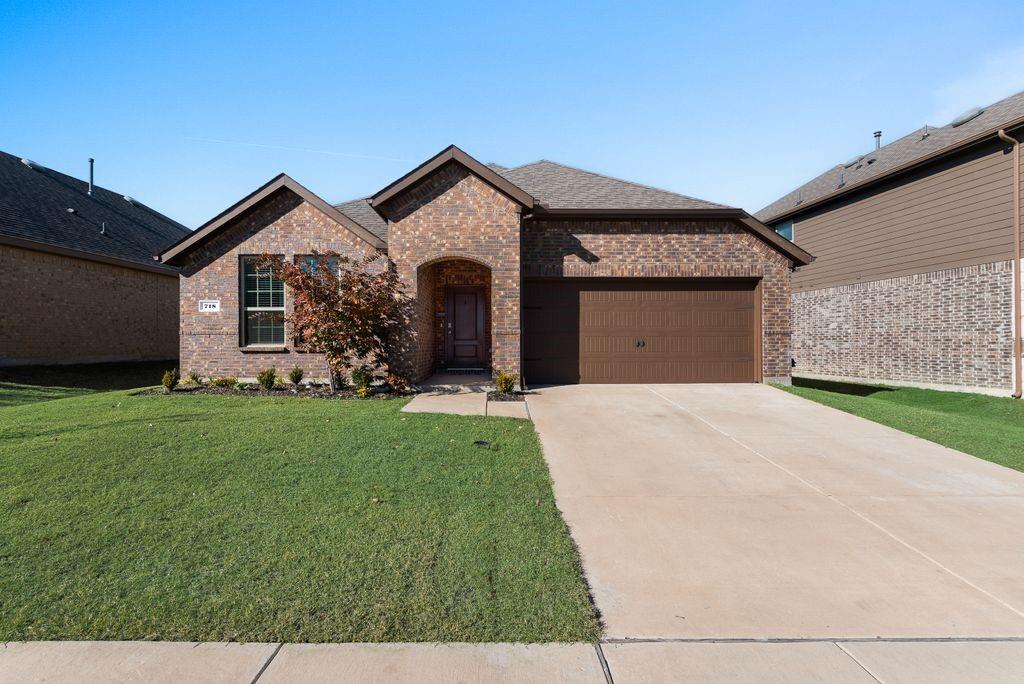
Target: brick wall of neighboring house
x,y
671,248
67,310
950,327
284,225
452,214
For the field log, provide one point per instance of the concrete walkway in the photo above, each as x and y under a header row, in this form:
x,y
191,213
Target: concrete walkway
x,y
741,511
112,661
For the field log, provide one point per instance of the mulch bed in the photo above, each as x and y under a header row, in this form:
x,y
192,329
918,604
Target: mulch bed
x,y
494,395
307,392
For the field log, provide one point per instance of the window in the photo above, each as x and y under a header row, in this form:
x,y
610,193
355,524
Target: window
x,y
785,229
263,306
311,264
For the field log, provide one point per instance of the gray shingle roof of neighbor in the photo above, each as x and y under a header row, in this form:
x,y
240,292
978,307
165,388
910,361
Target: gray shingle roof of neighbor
x,y
34,204
556,186
877,163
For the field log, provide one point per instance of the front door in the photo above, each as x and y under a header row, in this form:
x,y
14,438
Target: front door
x,y
465,344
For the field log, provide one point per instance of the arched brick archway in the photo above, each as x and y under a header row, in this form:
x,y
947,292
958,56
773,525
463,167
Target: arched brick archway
x,y
454,314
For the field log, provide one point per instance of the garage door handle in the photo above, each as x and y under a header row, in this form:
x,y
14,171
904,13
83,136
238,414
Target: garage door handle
x,y
640,343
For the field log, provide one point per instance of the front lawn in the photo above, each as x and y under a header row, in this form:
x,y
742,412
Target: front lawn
x,y
261,519
991,428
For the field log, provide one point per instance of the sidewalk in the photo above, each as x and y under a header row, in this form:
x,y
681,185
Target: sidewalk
x,y
961,661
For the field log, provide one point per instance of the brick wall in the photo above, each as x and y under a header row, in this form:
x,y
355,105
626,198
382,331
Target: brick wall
x,y
669,249
452,214
284,225
950,327
67,310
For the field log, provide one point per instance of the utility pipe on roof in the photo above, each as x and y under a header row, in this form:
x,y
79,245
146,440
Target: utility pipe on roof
x,y
1016,262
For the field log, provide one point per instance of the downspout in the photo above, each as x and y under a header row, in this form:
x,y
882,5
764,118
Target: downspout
x,y
1016,262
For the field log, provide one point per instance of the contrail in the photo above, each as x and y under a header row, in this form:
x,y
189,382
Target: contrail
x,y
295,149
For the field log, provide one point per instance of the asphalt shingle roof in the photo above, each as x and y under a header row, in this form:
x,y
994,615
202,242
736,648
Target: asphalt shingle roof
x,y
556,186
34,206
907,149
360,211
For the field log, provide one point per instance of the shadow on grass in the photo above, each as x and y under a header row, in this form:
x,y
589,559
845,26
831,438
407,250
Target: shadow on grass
x,y
90,376
835,387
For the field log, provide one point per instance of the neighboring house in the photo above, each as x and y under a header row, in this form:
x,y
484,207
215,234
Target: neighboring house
x,y
77,267
543,270
915,245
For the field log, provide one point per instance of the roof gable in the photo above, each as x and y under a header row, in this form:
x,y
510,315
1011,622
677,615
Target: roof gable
x,y
453,154
34,210
174,252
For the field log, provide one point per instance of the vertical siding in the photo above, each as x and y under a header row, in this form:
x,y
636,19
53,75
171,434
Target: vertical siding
x,y
955,213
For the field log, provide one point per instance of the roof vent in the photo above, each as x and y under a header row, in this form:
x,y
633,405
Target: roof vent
x,y
71,210
32,165
966,116
129,200
853,160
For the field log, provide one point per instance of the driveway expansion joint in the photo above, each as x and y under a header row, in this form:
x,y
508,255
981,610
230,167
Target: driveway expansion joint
x,y
604,663
266,664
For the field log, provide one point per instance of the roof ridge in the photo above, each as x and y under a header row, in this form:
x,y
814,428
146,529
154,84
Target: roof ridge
x,y
623,180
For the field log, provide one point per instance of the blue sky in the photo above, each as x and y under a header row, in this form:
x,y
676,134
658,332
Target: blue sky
x,y
190,106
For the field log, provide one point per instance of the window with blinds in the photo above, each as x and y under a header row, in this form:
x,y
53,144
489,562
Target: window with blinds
x,y
263,305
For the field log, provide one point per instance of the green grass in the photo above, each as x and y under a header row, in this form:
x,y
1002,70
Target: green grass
x,y
252,519
31,384
991,428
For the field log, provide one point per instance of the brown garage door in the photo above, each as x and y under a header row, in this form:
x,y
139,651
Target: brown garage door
x,y
639,331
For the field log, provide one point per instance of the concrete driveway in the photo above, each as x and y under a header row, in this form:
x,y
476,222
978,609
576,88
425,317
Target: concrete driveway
x,y
744,512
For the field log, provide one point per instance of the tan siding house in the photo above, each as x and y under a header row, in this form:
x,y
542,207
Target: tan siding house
x,y
913,281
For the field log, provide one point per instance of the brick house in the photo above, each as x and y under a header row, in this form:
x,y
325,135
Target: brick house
x,y
547,271
76,262
917,273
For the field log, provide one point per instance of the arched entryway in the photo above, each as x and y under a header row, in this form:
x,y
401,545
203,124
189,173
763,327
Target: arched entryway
x,y
454,316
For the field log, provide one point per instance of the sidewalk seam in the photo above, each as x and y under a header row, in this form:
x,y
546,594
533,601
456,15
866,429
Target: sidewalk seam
x,y
267,663
854,659
604,663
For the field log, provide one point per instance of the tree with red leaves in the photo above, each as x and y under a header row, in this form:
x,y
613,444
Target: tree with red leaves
x,y
352,311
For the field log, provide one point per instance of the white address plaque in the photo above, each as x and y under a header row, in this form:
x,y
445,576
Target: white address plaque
x,y
209,305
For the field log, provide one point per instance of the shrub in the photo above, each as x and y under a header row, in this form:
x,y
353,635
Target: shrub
x,y
171,378
363,391
295,375
228,383
398,382
362,376
194,379
266,377
506,382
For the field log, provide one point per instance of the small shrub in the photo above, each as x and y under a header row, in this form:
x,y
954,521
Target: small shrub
x,y
194,379
171,378
295,375
363,391
228,383
398,382
266,378
506,382
362,376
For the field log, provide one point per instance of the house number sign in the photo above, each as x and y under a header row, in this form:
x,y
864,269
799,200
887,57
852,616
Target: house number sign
x,y
209,305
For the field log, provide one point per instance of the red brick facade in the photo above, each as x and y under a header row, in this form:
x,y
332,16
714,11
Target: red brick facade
x,y
452,228
453,215
669,249
102,312
284,225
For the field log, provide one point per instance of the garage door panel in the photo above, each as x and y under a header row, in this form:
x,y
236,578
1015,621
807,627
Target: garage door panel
x,y
639,331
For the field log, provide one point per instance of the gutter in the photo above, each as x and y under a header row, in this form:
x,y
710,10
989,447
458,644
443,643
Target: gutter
x,y
1016,261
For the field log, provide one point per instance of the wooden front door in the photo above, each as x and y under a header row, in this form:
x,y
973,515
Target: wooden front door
x,y
465,345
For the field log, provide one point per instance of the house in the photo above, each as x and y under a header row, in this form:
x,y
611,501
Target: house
x,y
917,248
543,270
76,263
